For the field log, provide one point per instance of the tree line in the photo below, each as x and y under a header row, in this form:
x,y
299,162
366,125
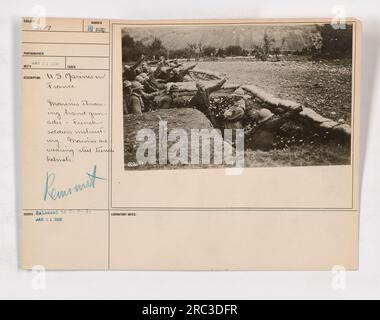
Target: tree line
x,y
328,43
133,49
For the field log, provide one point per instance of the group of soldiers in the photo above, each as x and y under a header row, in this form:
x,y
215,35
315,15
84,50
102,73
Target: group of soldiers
x,y
147,88
266,125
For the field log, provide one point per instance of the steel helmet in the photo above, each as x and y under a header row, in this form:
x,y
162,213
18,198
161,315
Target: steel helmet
x,y
263,115
239,92
234,114
200,85
136,85
139,78
127,83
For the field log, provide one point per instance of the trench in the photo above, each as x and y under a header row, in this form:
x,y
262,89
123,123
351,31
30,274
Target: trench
x,y
292,133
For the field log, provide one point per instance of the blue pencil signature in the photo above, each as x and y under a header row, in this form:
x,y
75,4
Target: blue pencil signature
x,y
52,193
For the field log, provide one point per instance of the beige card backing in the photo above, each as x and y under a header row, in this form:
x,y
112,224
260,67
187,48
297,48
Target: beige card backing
x,y
286,218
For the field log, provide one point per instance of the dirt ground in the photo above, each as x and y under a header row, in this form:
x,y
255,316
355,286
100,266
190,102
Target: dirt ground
x,y
175,118
324,86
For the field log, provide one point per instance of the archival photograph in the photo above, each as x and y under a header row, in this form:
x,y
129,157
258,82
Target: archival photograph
x,y
231,95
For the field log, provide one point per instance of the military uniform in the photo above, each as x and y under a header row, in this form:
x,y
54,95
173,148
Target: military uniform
x,y
135,104
201,100
234,116
263,135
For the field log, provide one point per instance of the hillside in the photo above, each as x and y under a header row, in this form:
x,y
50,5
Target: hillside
x,y
289,38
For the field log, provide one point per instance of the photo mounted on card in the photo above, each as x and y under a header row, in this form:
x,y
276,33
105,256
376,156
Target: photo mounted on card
x,y
190,144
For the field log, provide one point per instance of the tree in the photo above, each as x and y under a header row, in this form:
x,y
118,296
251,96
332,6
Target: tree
x,y
209,51
267,44
156,44
220,53
191,49
234,51
200,48
335,43
128,41
156,48
131,50
179,53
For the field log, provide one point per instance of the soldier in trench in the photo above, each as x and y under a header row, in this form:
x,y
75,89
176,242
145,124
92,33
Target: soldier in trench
x,y
262,136
130,72
201,99
127,92
172,99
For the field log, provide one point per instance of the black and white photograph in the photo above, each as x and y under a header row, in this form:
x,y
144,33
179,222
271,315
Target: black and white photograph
x,y
272,95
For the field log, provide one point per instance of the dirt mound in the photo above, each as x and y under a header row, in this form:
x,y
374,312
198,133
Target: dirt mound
x,y
186,119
